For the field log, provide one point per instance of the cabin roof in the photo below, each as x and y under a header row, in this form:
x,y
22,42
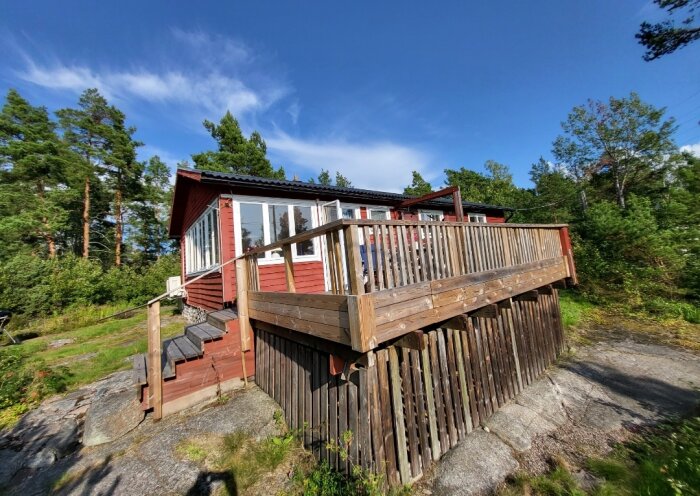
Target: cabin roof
x,y
283,185
289,189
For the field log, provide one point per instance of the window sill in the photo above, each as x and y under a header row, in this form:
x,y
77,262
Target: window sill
x,y
191,275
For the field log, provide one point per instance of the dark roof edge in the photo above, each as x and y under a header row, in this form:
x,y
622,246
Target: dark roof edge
x,y
230,179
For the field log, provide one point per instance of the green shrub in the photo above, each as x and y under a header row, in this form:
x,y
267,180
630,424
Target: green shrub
x,y
24,382
31,286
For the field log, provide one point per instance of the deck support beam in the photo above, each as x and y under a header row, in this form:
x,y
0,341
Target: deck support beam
x,y
528,296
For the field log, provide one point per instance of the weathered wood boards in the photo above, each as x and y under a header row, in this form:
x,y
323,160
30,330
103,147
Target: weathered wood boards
x,y
405,407
367,320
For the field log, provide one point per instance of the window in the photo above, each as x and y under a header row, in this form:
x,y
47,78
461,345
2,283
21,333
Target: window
x,y
430,215
378,214
477,218
202,242
259,222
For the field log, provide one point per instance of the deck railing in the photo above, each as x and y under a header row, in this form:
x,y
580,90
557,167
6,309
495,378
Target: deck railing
x,y
389,277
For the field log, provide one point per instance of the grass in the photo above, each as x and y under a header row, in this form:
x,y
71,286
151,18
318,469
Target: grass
x,y
246,460
657,320
663,460
33,369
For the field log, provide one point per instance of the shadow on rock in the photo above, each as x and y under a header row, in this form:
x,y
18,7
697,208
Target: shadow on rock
x,y
84,482
653,394
207,482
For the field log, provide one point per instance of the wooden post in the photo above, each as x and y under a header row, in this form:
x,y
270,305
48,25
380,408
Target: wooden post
x,y
399,421
568,253
155,380
289,268
362,317
242,303
459,209
352,251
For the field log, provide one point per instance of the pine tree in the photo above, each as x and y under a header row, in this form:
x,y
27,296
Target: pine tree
x,y
33,163
342,181
123,174
150,212
88,130
418,187
235,153
324,178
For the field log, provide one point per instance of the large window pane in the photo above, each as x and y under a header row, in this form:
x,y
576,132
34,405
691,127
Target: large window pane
x,y
279,222
377,214
252,226
348,213
303,223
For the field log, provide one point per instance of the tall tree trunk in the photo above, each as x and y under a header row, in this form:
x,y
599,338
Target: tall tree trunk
x,y
48,236
619,193
118,226
86,218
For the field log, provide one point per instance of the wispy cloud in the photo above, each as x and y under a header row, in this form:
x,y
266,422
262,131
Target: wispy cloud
x,y
693,149
382,165
209,76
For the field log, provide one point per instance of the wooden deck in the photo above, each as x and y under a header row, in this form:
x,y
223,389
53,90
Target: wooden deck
x,y
389,278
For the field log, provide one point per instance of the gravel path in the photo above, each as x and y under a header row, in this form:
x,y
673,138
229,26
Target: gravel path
x,y
576,410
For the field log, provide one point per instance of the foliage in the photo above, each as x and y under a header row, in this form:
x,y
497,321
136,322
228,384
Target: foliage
x,y
34,286
663,460
33,369
24,383
234,152
418,187
324,179
666,37
623,144
70,187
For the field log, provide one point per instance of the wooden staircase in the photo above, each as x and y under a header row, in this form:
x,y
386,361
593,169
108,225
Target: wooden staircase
x,y
185,355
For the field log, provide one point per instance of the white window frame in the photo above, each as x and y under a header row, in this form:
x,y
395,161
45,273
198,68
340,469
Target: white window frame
x,y
202,241
386,210
421,214
481,218
272,258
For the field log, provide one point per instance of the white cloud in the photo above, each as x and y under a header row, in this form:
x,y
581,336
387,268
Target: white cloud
x,y
694,149
208,76
382,166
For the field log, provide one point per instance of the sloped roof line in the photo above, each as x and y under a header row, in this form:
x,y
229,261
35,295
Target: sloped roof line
x,y
309,188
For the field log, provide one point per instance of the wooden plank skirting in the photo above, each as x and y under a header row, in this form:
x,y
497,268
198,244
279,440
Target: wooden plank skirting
x,y
397,410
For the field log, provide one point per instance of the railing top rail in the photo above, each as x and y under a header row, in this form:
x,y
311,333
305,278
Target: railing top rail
x,y
338,224
369,222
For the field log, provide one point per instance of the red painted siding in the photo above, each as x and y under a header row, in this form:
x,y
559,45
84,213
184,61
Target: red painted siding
x,y
496,220
221,361
207,293
308,277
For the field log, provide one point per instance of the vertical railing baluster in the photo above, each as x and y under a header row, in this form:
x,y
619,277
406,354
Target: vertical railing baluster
x,y
379,259
369,259
354,260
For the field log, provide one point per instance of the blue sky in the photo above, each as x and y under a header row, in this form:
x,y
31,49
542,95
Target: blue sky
x,y
373,89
